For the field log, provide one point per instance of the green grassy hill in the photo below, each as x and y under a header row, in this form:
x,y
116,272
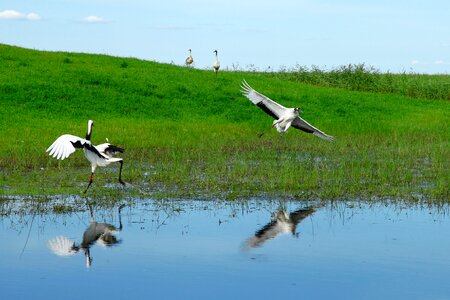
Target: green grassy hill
x,y
189,135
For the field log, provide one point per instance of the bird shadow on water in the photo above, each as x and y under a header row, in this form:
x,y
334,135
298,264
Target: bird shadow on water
x,y
102,234
281,223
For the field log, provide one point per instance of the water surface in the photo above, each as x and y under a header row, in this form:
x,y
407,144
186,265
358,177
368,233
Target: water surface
x,y
220,250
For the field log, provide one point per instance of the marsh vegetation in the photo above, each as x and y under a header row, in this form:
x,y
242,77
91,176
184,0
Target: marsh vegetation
x,y
189,135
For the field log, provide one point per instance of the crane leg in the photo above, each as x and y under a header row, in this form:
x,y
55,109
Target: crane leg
x,y
91,179
120,216
120,173
91,212
279,143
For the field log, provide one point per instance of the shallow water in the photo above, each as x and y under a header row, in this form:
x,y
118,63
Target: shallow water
x,y
221,250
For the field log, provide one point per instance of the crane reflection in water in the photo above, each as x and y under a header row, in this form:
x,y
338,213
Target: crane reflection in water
x,y
282,223
102,234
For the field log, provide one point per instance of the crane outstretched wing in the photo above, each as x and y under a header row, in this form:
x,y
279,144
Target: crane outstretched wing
x,y
301,124
269,106
269,231
301,214
62,246
65,145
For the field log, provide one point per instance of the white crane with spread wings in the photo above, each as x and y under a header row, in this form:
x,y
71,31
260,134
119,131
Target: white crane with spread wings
x,y
99,156
284,117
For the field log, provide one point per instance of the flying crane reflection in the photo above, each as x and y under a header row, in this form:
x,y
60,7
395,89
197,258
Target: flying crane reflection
x,y
281,223
102,234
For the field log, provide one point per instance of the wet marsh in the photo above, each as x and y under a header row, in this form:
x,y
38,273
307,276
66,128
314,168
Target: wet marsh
x,y
210,208
258,248
185,138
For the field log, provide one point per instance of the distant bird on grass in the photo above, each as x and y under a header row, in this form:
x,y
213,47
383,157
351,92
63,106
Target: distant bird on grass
x,y
216,65
284,117
99,156
189,59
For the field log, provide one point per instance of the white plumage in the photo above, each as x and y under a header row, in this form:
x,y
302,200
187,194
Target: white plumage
x,y
284,117
64,146
62,246
99,156
189,59
216,65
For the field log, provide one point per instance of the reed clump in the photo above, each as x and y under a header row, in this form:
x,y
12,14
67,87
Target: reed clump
x,y
360,77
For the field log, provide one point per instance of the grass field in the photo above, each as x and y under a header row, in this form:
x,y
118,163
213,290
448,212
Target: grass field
x,y
189,135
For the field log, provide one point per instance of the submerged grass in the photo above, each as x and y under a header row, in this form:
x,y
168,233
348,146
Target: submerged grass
x,y
189,135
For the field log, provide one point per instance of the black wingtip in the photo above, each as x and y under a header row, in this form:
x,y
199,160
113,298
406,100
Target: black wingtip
x,y
114,149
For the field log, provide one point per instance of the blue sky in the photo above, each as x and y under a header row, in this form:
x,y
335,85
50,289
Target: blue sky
x,y
394,35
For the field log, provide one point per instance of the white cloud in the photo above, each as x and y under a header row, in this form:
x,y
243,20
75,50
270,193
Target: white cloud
x,y
439,62
15,15
33,17
94,19
415,62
